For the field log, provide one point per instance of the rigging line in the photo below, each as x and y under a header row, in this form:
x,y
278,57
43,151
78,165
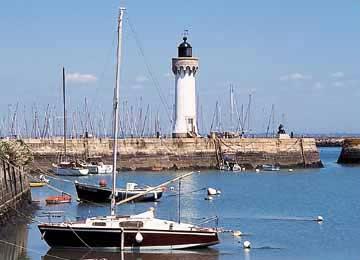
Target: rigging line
x,y
147,65
32,250
82,241
184,193
33,219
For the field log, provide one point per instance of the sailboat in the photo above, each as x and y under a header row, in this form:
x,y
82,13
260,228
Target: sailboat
x,y
133,232
66,167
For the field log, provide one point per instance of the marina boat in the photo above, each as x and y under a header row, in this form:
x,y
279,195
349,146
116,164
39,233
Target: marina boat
x,y
58,199
70,168
37,184
134,232
66,167
101,193
230,166
96,166
270,167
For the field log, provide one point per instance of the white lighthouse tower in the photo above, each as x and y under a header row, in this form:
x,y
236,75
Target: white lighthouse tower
x,y
185,67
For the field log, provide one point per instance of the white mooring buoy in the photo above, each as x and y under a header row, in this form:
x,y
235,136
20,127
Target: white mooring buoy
x,y
257,170
237,233
319,219
290,170
211,191
247,244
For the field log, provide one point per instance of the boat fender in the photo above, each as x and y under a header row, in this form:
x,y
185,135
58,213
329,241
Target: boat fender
x,y
139,238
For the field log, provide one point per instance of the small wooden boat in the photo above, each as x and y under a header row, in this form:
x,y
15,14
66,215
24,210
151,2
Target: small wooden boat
x,y
59,199
37,184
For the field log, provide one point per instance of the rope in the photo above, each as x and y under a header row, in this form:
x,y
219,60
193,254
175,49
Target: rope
x,y
184,193
154,80
29,249
69,225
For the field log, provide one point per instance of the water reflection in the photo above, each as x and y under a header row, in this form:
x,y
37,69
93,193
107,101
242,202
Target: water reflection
x,y
11,237
55,254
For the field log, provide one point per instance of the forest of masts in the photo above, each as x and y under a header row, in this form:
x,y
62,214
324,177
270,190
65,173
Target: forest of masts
x,y
135,121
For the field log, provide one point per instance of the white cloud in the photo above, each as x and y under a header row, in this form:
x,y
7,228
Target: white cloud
x,y
167,75
339,84
338,74
295,76
82,78
318,85
137,86
141,79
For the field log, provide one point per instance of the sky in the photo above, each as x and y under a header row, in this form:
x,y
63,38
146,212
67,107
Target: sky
x,y
300,56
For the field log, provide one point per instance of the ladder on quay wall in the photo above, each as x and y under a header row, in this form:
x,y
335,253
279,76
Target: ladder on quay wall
x,y
218,153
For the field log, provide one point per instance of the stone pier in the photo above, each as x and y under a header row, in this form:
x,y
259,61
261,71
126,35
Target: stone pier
x,y
183,153
350,153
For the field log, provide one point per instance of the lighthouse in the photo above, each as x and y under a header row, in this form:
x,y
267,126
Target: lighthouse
x,y
185,67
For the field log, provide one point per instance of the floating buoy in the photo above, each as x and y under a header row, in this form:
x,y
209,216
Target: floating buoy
x,y
209,198
139,238
290,170
243,169
247,244
102,183
257,170
319,219
211,191
236,233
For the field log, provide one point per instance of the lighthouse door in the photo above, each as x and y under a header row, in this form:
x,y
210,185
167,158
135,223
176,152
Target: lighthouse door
x,y
190,125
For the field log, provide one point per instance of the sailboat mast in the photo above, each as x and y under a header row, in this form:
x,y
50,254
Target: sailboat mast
x,y
64,104
116,110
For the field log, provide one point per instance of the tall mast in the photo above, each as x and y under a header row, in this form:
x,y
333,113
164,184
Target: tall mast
x,y
64,104
116,110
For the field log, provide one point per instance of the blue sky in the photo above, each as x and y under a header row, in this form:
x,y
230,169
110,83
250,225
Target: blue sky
x,y
301,56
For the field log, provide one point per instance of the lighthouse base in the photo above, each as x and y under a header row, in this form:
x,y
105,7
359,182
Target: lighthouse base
x,y
180,135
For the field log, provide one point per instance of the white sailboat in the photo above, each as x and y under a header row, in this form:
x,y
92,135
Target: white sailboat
x,y
135,232
66,167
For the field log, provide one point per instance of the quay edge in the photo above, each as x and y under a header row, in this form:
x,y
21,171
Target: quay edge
x,y
183,153
350,152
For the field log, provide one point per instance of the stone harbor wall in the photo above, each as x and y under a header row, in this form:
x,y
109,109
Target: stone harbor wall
x,y
350,153
14,190
183,153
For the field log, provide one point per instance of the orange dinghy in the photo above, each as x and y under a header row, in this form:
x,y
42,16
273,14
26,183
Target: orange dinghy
x,y
64,198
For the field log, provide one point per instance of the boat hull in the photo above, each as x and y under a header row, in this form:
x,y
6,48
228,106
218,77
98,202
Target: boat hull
x,y
70,171
99,169
93,193
66,237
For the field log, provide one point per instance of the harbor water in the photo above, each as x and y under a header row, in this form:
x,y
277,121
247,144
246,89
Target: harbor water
x,y
276,212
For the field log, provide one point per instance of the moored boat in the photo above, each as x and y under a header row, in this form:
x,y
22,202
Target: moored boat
x,y
37,184
69,169
58,199
141,231
270,167
101,193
